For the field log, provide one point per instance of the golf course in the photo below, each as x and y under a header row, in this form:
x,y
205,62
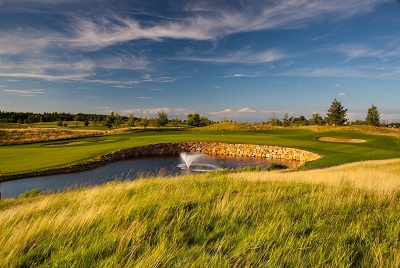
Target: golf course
x,y
340,210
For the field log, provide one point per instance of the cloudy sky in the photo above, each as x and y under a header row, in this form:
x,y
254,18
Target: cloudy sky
x,y
243,60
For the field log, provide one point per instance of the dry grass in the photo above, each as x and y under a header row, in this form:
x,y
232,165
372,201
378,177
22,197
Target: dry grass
x,y
382,175
20,136
213,220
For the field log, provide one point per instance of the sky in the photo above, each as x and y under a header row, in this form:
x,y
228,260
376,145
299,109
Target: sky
x,y
243,60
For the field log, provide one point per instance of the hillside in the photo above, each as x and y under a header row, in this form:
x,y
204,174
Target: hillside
x,y
340,216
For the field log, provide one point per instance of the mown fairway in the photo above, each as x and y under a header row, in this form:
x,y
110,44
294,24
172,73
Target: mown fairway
x,y
39,156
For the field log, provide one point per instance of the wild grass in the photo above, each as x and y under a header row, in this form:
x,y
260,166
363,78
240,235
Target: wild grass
x,y
20,136
211,220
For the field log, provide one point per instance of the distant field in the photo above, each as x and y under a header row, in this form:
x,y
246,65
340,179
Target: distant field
x,y
16,159
345,216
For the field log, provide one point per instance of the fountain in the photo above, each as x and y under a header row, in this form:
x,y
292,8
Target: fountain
x,y
191,162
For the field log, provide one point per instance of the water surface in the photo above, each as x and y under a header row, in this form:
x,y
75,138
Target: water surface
x,y
124,170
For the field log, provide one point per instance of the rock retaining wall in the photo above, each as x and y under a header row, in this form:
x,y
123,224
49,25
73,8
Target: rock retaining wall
x,y
211,148
216,148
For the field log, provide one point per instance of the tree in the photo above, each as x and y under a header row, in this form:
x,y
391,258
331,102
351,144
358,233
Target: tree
x,y
336,114
316,120
110,121
274,121
286,121
86,123
118,120
176,122
131,121
193,120
144,122
373,116
162,119
300,121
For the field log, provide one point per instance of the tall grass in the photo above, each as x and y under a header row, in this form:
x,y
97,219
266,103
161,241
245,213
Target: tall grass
x,y
211,220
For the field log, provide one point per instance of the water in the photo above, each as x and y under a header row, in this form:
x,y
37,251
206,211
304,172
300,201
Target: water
x,y
126,170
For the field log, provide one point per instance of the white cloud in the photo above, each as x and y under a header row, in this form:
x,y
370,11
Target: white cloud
x,y
242,75
226,111
246,110
343,95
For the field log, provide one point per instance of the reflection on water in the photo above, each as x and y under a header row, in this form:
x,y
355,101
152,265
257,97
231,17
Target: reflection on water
x,y
123,170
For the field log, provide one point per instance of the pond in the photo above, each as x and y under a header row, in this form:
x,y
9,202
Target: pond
x,y
127,170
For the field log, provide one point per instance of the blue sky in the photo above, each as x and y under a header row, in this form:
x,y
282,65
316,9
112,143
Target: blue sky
x,y
243,60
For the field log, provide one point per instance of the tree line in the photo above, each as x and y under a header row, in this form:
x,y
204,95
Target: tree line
x,y
114,120
29,117
336,115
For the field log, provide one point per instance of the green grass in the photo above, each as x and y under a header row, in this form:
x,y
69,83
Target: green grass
x,y
32,157
208,220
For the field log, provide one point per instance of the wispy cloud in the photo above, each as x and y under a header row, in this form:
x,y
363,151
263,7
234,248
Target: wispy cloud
x,y
376,72
245,55
196,20
360,50
343,94
25,92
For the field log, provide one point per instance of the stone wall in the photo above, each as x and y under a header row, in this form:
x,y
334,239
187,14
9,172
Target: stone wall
x,y
216,148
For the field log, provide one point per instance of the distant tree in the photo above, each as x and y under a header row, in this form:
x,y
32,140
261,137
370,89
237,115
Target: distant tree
x,y
204,121
118,120
131,121
162,119
65,124
274,121
286,121
316,120
110,121
86,123
144,122
59,123
300,121
373,116
176,122
193,120
336,114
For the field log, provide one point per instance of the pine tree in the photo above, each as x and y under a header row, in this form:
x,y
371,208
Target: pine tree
x,y
373,116
336,114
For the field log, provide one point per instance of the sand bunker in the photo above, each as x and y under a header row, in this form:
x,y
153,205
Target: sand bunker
x,y
331,139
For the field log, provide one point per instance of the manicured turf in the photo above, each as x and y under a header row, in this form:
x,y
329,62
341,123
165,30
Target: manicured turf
x,y
39,156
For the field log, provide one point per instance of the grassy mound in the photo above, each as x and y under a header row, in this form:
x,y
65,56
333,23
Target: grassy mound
x,y
222,220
